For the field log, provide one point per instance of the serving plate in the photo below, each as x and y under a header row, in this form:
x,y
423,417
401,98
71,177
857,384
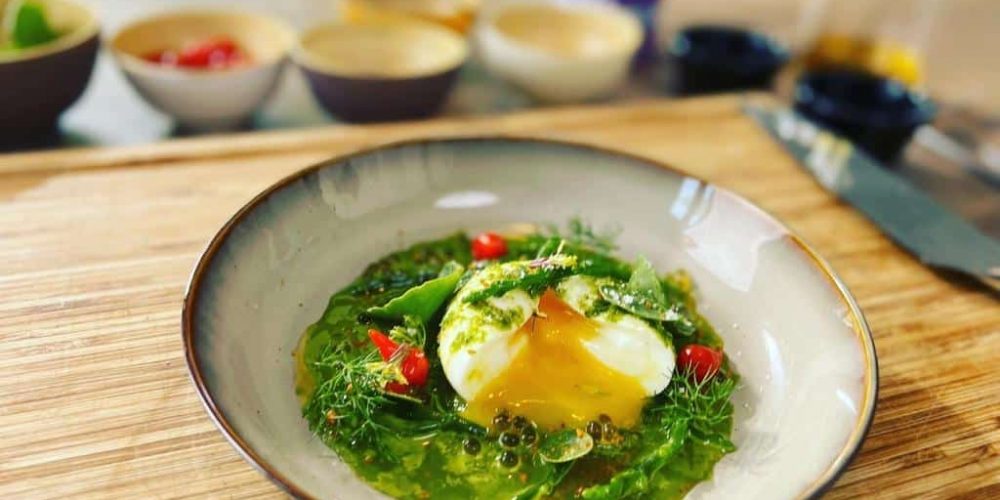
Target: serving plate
x,y
792,330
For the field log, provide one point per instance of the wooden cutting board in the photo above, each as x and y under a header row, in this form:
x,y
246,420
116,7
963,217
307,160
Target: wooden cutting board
x,y
96,247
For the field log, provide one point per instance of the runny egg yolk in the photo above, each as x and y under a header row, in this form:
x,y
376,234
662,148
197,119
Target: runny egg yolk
x,y
554,380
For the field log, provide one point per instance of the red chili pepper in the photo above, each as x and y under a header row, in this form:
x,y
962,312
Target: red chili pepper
x,y
488,246
386,346
703,362
414,366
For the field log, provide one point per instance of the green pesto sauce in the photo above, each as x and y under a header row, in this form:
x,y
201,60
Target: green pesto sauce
x,y
422,455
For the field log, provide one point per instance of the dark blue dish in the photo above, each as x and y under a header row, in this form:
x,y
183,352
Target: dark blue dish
x,y
711,58
878,114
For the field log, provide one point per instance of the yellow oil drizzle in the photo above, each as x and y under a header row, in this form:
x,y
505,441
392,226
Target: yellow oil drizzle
x,y
304,381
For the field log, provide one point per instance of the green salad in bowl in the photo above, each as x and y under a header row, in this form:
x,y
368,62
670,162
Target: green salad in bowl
x,y
521,365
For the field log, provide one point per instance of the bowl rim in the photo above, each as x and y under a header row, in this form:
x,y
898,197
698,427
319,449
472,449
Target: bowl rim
x,y
304,58
75,38
677,49
487,27
134,64
859,325
923,109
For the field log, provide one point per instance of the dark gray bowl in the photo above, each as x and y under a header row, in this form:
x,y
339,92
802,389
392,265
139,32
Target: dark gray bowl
x,y
373,99
381,70
37,85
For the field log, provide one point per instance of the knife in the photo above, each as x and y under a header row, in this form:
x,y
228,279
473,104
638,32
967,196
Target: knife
x,y
930,231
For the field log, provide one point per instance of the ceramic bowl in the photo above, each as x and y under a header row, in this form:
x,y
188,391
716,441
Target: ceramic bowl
x,y
878,114
381,69
711,58
204,99
37,84
792,330
559,52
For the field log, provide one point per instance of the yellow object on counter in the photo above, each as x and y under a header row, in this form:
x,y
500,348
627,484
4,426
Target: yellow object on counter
x,y
455,14
879,56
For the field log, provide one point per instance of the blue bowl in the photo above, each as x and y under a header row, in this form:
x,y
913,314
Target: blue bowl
x,y
711,58
878,114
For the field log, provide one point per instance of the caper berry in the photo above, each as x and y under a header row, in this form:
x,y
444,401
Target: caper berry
x,y
502,420
471,446
594,429
608,430
520,422
509,440
604,418
508,459
529,435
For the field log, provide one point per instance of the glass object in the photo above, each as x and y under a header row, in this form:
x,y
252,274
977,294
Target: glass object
x,y
885,38
456,14
645,10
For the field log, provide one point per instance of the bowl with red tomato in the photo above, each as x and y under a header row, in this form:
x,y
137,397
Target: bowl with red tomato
x,y
47,54
209,70
465,317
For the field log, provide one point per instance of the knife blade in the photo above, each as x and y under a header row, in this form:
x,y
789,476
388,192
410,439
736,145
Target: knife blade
x,y
916,222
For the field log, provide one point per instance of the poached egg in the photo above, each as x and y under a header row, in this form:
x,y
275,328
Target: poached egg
x,y
554,358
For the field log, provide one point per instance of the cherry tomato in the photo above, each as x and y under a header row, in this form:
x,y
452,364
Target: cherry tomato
x,y
213,53
397,387
488,246
702,361
386,346
415,367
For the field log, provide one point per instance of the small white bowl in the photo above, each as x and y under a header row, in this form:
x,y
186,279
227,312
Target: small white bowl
x,y
560,52
206,100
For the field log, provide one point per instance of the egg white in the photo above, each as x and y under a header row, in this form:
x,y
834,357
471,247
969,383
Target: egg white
x,y
624,342
474,347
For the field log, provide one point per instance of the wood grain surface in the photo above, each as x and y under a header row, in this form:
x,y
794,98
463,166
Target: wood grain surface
x,y
96,247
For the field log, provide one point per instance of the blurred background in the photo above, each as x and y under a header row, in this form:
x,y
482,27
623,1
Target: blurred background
x,y
952,44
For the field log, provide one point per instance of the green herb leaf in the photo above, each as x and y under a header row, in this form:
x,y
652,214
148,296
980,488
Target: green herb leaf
x,y
423,300
643,296
705,405
580,233
547,485
411,332
565,445
636,479
29,26
347,402
534,277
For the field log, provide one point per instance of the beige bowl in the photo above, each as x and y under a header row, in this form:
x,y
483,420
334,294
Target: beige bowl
x,y
559,52
205,99
381,69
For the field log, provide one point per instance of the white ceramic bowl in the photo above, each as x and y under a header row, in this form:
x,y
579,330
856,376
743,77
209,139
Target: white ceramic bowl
x,y
793,332
559,52
205,99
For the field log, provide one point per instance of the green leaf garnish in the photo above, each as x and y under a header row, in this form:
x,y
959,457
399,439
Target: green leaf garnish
x,y
27,25
643,296
582,234
423,300
565,445
635,479
412,332
534,277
